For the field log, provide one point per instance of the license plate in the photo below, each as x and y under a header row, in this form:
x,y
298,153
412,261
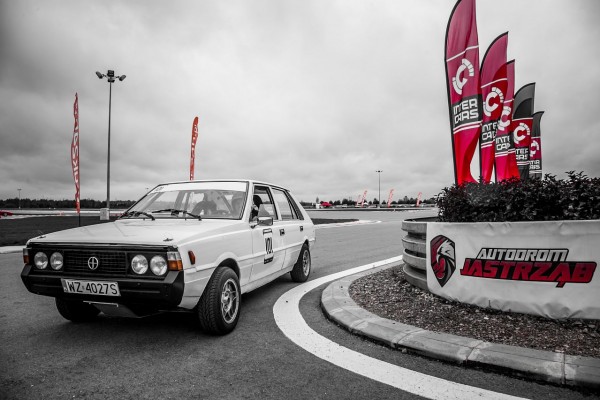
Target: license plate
x,y
91,287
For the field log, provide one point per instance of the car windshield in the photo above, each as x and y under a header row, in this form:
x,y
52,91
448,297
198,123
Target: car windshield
x,y
189,200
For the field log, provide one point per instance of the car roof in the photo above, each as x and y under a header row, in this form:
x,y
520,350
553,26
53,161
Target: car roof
x,y
251,181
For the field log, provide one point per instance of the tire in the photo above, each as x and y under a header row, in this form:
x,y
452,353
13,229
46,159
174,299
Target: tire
x,y
219,307
76,311
303,266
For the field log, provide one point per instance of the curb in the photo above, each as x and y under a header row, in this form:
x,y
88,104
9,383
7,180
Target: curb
x,y
557,368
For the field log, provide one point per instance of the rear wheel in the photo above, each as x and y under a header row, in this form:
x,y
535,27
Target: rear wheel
x,y
219,307
76,311
302,267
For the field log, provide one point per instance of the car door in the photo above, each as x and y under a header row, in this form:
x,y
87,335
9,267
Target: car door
x,y
267,242
289,226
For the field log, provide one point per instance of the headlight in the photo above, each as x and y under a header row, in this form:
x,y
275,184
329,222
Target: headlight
x,y
56,261
158,265
139,264
40,260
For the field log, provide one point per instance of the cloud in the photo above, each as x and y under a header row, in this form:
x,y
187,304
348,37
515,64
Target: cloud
x,y
312,95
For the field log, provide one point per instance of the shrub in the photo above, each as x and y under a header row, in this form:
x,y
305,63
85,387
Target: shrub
x,y
548,199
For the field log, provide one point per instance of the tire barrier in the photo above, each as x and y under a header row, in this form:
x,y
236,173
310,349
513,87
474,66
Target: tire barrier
x,y
413,254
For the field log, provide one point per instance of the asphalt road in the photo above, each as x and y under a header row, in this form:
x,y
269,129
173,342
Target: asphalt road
x,y
166,356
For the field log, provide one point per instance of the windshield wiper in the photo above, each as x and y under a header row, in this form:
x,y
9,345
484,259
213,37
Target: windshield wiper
x,y
137,213
175,211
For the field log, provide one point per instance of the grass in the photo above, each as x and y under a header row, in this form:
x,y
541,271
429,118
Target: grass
x,y
16,232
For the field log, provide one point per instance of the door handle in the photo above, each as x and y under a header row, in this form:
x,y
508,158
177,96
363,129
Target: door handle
x,y
301,228
281,232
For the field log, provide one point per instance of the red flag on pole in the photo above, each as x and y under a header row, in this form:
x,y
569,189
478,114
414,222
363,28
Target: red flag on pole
x,y
194,139
362,200
75,152
505,158
390,197
493,90
464,92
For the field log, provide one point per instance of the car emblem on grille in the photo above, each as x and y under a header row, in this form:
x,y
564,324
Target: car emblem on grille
x,y
93,263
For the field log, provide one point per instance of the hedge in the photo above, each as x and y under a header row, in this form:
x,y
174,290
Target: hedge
x,y
547,199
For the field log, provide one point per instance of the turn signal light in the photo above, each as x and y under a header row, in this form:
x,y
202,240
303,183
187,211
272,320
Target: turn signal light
x,y
174,261
192,257
26,255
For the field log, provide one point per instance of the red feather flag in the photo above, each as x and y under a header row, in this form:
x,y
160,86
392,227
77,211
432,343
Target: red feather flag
x,y
75,153
493,91
390,198
505,158
464,92
535,148
193,154
522,124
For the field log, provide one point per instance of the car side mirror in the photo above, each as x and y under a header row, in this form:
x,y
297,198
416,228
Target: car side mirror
x,y
265,221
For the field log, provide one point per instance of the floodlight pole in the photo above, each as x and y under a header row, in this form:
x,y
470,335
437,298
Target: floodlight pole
x,y
19,190
110,82
110,76
379,198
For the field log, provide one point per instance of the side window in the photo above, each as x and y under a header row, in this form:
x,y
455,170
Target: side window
x,y
295,206
285,208
262,203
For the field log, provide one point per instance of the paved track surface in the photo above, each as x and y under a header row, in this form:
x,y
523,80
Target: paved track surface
x,y
166,356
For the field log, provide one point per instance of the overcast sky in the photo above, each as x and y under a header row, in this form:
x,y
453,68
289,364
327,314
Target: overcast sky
x,y
311,95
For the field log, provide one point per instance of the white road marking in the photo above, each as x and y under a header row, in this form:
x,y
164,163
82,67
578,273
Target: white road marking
x,y
353,223
288,318
11,249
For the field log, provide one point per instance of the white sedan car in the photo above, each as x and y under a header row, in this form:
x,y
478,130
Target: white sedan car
x,y
196,246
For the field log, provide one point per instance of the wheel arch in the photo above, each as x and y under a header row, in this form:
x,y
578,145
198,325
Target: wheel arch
x,y
307,242
231,263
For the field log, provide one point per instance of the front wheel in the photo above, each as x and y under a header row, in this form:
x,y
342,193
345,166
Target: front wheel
x,y
302,267
76,311
219,307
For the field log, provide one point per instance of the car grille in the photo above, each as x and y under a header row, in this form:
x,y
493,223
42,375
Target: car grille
x,y
109,262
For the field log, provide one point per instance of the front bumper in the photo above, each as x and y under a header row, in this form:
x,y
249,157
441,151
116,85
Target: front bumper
x,y
136,293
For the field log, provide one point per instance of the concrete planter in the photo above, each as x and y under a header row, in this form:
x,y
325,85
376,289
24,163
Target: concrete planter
x,y
414,250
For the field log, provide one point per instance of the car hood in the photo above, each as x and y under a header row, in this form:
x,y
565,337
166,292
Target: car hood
x,y
160,232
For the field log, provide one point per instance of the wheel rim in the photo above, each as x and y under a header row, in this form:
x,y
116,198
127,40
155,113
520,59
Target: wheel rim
x,y
306,263
230,301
